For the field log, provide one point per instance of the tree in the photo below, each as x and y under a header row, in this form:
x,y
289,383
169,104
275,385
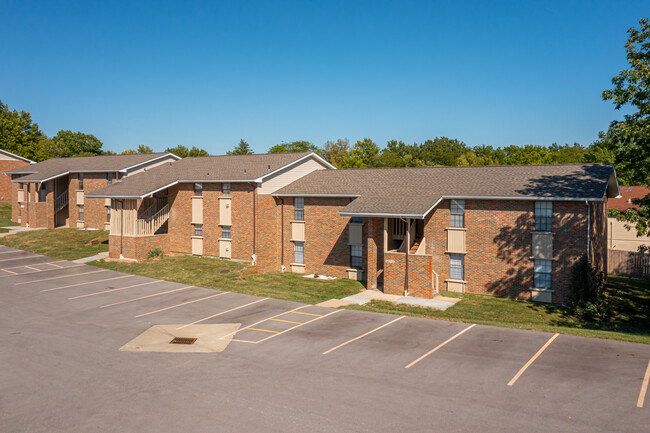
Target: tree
x,y
141,149
184,152
399,154
631,137
67,143
243,148
441,151
365,153
294,146
335,152
19,135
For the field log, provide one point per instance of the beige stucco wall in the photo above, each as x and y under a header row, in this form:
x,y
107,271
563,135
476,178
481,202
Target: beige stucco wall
x,y
619,238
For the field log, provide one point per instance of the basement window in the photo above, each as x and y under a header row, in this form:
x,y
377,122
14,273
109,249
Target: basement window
x,y
543,216
299,209
543,274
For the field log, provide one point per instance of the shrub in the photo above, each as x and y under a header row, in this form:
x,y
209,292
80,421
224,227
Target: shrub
x,y
154,253
589,300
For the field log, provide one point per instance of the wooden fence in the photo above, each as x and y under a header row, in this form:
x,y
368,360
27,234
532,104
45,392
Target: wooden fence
x,y
628,264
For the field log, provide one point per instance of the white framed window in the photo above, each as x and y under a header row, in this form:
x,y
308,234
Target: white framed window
x,y
543,269
457,266
198,189
225,232
198,229
81,213
225,189
299,209
81,181
356,256
457,213
299,252
108,214
543,216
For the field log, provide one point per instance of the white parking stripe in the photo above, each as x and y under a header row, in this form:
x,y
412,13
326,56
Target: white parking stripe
x,y
56,278
297,326
115,290
440,345
181,304
20,258
86,282
223,312
148,296
531,360
644,387
33,272
362,335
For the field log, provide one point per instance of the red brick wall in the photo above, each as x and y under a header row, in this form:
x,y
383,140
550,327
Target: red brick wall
x,y
420,274
95,213
268,233
39,214
136,248
374,252
5,180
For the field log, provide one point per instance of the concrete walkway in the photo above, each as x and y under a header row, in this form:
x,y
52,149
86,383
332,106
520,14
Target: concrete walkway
x,y
91,258
17,229
438,302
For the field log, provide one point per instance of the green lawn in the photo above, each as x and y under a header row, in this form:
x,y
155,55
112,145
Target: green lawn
x,y
67,244
236,277
630,299
5,216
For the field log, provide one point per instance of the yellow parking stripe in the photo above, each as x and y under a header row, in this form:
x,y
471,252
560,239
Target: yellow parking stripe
x,y
288,321
308,314
263,330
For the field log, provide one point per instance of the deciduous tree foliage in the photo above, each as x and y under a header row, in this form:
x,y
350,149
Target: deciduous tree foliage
x,y
67,143
243,148
184,152
294,146
20,136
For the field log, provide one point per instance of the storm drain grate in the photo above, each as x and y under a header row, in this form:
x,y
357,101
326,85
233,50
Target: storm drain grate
x,y
182,340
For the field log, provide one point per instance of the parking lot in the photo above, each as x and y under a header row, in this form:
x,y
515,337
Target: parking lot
x,y
289,366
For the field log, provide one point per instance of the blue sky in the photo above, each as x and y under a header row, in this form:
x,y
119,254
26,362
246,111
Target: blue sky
x,y
209,73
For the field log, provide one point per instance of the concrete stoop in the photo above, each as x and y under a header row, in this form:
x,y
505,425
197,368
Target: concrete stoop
x,y
438,302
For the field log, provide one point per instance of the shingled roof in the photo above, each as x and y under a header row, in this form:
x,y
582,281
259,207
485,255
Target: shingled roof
x,y
414,192
55,167
226,168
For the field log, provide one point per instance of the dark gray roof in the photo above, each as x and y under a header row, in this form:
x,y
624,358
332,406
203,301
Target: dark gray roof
x,y
226,168
413,192
56,167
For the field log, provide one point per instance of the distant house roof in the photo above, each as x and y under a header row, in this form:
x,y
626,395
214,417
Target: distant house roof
x,y
13,155
414,192
225,168
628,193
55,167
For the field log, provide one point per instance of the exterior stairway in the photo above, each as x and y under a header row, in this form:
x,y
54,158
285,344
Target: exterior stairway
x,y
415,246
61,201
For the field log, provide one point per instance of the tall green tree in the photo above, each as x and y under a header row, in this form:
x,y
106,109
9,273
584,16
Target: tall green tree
x,y
141,149
20,136
243,148
294,146
335,152
441,151
184,152
67,143
631,137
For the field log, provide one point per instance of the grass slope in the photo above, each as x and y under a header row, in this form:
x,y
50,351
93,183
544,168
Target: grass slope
x,y
5,216
67,244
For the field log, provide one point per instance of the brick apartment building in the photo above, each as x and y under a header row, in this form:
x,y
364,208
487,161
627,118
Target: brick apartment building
x,y
512,231
9,161
52,193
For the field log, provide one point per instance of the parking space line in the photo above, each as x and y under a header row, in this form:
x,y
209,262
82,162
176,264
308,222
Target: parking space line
x,y
308,314
148,296
46,263
287,321
20,258
219,314
87,282
531,360
114,290
9,252
263,330
33,269
11,272
440,345
362,335
298,326
181,304
55,265
264,320
33,272
56,278
644,387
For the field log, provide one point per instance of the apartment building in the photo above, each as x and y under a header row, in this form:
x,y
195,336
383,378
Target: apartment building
x,y
9,161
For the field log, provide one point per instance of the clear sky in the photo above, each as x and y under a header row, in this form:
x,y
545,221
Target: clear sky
x,y
209,73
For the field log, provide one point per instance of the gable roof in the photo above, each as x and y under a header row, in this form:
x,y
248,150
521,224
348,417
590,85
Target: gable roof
x,y
225,168
56,167
624,201
13,155
414,192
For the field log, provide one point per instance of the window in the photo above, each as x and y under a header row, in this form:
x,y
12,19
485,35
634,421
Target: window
x,y
457,211
109,177
225,188
299,209
198,229
42,193
81,213
81,181
457,266
225,232
198,189
299,252
356,257
543,274
356,220
108,214
544,216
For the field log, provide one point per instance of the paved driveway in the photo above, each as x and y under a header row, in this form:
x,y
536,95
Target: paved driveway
x,y
290,367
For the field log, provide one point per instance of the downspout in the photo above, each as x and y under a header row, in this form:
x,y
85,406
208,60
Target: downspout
x,y
121,228
254,256
588,229
282,235
408,247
